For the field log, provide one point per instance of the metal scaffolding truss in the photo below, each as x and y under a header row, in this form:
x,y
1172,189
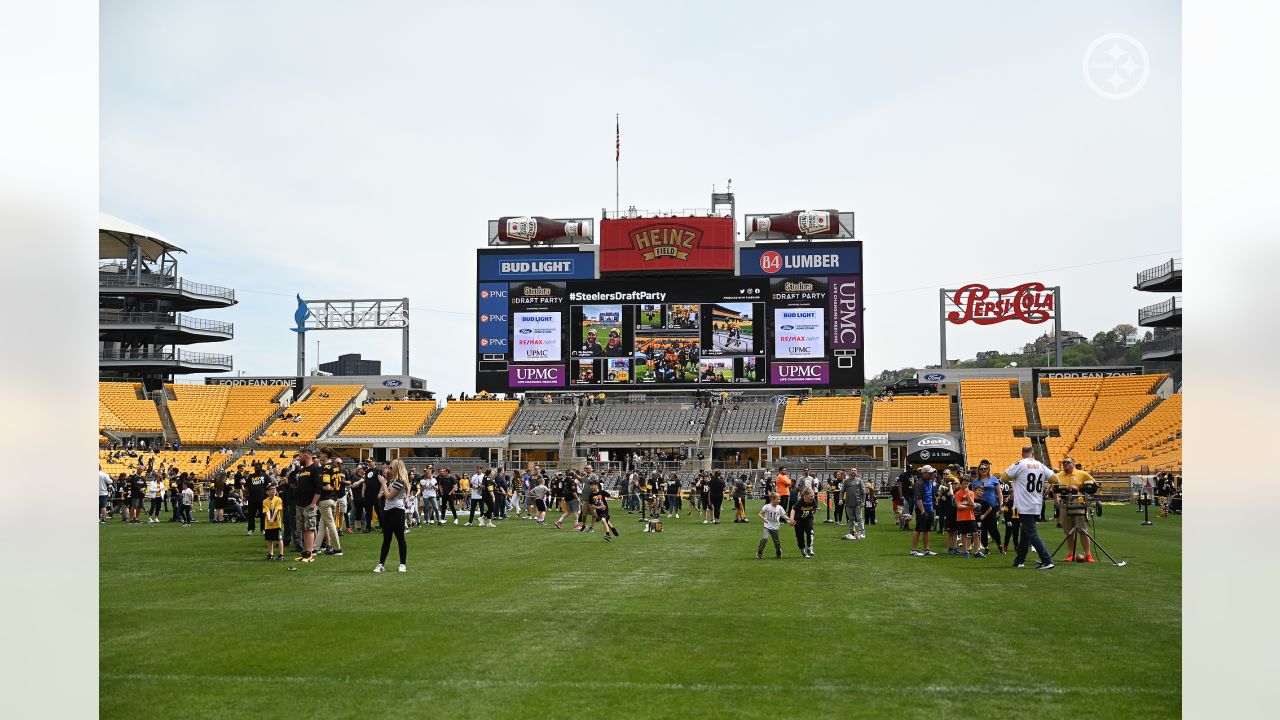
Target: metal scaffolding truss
x,y
353,314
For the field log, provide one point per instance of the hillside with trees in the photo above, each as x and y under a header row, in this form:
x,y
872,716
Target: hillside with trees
x,y
1116,346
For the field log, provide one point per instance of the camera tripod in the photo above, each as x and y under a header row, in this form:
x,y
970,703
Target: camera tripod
x,y
1089,521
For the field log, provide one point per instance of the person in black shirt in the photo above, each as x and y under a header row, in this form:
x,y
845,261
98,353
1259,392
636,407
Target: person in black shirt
x,y
367,485
446,486
137,491
802,512
673,495
254,494
740,499
715,496
500,492
305,482
332,487
599,499
591,345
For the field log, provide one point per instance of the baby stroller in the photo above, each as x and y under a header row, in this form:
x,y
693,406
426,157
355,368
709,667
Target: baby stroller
x,y
904,521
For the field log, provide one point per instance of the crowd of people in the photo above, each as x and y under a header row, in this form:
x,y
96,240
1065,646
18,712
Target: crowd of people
x,y
311,500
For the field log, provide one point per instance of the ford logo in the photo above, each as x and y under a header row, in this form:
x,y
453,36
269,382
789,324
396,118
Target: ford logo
x,y
787,327
935,377
526,331
392,383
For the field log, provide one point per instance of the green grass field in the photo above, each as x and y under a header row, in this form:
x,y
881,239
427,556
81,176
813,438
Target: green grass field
x,y
527,621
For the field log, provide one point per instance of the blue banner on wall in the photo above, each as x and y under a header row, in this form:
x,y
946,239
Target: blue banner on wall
x,y
506,266
813,259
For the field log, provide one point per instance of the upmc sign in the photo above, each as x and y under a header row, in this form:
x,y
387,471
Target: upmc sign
x,y
1031,303
665,244
843,258
845,298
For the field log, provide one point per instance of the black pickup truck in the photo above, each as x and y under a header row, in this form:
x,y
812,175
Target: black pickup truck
x,y
911,386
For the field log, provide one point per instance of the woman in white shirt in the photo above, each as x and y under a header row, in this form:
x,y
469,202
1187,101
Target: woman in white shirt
x,y
155,493
394,488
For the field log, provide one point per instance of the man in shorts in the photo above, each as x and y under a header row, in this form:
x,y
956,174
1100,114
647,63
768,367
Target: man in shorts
x,y
572,505
588,508
305,486
922,496
539,494
104,494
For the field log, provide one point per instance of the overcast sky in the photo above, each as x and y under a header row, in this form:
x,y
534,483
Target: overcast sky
x,y
340,149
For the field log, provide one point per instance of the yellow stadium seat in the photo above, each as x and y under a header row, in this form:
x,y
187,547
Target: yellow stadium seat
x,y
314,412
911,413
474,417
400,418
119,408
822,415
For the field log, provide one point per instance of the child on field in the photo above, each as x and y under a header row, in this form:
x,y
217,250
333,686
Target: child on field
x,y
188,497
272,511
772,515
599,501
802,512
966,522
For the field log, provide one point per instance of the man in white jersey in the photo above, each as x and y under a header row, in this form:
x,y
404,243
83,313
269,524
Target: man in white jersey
x,y
104,494
1028,478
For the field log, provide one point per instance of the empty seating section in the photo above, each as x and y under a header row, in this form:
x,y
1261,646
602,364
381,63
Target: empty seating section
x,y
399,418
119,408
549,420
822,415
912,414
474,417
205,462
657,419
221,414
1087,412
747,418
990,415
303,421
1154,442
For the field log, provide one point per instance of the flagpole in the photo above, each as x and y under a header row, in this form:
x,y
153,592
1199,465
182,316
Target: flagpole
x,y
617,163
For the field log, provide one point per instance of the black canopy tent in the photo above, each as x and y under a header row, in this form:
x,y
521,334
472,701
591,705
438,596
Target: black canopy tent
x,y
934,449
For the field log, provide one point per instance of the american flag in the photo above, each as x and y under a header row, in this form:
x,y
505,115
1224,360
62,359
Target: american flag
x,y
617,141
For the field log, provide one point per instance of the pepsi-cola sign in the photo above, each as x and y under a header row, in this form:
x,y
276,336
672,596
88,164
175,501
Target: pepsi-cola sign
x,y
976,303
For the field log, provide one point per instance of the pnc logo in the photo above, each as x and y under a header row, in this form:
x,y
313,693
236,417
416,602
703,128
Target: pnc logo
x,y
486,294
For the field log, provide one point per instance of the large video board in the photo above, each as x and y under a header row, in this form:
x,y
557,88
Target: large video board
x,y
793,321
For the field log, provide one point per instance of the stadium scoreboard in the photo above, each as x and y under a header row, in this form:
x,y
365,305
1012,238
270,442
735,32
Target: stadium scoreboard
x,y
786,316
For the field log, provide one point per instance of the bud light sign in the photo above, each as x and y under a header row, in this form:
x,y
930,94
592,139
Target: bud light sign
x,y
799,373
507,265
535,376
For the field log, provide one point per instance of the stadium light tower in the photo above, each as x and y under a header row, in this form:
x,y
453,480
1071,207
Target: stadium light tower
x,y
351,314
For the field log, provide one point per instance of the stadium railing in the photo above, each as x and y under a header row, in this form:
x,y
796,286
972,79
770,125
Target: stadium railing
x,y
1168,268
155,318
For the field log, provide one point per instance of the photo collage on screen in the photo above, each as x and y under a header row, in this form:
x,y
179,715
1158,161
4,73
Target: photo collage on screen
x,y
667,343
